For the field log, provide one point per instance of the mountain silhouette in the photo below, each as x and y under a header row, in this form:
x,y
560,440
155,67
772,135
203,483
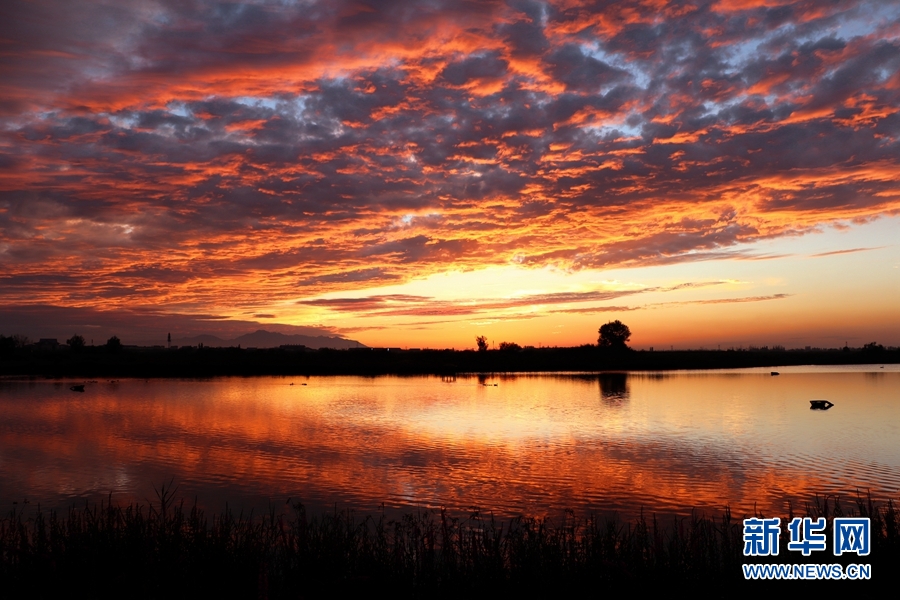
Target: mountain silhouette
x,y
270,339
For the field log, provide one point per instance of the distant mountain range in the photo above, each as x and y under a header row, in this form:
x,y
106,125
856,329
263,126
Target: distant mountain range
x,y
270,339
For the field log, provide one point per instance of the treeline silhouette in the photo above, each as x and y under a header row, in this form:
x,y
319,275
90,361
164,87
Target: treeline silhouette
x,y
207,362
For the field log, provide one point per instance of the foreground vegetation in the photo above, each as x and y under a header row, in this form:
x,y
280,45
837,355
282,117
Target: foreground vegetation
x,y
166,550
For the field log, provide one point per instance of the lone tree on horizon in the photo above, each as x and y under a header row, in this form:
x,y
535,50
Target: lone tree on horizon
x,y
482,343
614,335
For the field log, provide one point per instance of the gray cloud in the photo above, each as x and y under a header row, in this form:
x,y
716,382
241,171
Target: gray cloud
x,y
145,147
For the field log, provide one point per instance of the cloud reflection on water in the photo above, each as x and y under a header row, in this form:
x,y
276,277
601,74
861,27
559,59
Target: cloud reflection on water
x,y
531,444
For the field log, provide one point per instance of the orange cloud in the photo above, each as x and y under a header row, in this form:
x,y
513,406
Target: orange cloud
x,y
219,165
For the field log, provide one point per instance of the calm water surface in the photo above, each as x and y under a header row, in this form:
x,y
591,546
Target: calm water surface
x,y
531,444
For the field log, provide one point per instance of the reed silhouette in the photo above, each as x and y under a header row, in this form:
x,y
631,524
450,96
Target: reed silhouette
x,y
166,549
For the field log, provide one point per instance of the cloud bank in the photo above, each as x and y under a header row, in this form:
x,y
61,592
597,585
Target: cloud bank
x,y
217,157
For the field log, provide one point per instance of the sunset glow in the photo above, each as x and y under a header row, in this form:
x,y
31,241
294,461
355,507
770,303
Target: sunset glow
x,y
533,445
415,174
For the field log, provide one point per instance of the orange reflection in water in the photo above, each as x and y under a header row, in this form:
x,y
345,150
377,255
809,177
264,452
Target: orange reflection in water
x,y
532,445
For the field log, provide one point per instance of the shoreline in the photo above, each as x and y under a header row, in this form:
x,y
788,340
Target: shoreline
x,y
148,363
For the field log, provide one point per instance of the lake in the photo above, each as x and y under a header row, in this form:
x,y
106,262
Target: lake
x,y
535,445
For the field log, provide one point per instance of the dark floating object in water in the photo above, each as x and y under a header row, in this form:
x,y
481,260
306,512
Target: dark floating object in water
x,y
820,405
774,373
77,388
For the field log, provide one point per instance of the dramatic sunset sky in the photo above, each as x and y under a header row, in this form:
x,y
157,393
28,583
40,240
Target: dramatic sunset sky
x,y
415,174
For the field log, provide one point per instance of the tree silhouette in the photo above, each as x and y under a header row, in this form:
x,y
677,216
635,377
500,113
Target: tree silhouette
x,y
13,343
510,346
614,335
113,344
482,343
76,342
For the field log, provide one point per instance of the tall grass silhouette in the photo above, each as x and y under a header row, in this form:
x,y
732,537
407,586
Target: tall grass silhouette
x,y
166,550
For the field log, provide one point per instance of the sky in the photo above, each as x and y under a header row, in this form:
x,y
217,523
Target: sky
x,y
416,174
